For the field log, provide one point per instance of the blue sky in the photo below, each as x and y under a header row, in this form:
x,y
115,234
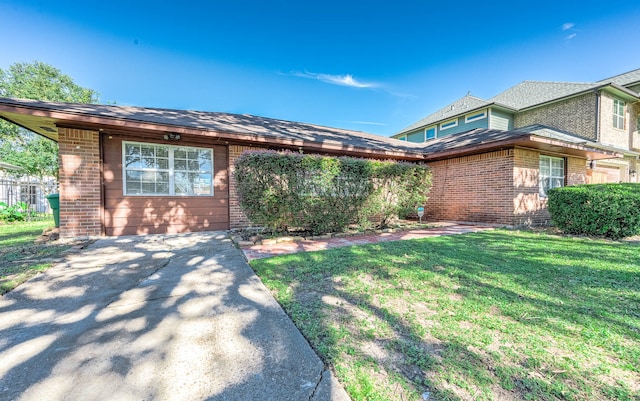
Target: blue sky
x,y
365,65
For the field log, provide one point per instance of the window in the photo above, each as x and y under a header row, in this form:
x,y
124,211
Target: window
x,y
469,118
449,124
618,113
403,138
551,173
430,133
150,169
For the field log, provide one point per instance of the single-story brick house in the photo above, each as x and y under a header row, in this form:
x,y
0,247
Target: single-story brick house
x,y
133,170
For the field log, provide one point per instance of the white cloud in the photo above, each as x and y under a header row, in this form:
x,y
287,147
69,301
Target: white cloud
x,y
342,80
366,123
567,25
569,37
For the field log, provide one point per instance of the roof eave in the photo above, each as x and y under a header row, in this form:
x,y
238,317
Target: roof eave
x,y
582,92
527,141
101,123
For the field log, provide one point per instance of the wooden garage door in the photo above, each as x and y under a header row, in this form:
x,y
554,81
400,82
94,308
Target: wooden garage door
x,y
605,174
138,212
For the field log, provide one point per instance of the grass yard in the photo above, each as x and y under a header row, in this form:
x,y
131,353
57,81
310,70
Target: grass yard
x,y
20,258
497,315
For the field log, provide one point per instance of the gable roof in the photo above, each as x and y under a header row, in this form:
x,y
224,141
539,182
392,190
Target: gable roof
x,y
44,118
465,104
628,78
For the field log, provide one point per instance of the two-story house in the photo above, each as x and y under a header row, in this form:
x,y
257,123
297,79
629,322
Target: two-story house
x,y
604,113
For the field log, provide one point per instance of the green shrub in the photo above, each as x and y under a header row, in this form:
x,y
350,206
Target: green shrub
x,y
607,210
321,194
17,212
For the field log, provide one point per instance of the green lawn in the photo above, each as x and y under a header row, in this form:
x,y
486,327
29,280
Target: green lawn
x,y
22,233
494,315
20,258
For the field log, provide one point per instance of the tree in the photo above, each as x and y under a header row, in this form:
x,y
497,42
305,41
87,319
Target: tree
x,y
36,155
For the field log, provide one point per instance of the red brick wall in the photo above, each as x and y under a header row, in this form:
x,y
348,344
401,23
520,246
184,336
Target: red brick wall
x,y
80,201
476,188
529,208
237,218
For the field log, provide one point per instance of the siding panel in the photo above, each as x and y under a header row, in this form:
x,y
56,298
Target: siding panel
x,y
501,120
131,215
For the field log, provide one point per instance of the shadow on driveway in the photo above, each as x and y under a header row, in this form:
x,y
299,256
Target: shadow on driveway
x,y
179,317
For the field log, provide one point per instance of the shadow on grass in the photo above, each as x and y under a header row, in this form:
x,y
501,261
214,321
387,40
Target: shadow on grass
x,y
502,308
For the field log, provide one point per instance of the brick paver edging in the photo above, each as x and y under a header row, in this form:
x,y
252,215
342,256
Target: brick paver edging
x,y
252,252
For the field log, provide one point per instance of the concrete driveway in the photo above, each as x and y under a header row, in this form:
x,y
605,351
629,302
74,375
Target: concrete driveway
x,y
179,317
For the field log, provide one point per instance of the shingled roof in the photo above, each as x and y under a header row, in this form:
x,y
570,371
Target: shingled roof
x,y
483,140
525,95
239,127
531,93
465,104
626,79
45,117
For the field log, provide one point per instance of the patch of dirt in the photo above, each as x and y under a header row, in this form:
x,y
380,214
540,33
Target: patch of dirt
x,y
16,262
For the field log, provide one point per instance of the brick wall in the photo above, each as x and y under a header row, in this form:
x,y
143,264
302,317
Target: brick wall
x,y
474,188
529,208
236,217
609,135
498,187
576,115
635,132
80,200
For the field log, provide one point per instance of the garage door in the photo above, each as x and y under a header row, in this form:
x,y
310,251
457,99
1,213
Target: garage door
x,y
167,187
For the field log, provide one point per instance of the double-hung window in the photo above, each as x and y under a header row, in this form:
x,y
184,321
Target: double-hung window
x,y
154,169
551,174
618,113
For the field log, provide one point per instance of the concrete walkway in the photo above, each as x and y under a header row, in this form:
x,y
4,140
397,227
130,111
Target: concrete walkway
x,y
283,248
178,317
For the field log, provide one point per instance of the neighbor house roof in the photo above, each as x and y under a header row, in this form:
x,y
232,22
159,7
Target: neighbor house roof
x,y
45,117
628,78
7,166
485,140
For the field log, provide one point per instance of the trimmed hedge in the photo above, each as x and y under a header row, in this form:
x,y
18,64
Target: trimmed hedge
x,y
321,194
607,210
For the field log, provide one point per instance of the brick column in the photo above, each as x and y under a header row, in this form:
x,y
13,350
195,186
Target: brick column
x,y
237,218
80,196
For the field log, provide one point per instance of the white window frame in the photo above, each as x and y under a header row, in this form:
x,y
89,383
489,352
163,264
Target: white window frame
x,y
619,106
448,124
171,150
435,133
551,176
469,118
